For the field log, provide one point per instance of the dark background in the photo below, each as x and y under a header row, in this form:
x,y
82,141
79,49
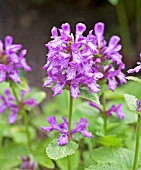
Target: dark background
x,y
30,22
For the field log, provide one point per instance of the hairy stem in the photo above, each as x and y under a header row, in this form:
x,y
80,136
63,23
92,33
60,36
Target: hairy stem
x,y
137,142
69,128
104,113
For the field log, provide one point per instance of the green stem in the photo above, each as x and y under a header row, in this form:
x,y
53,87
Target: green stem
x,y
104,113
26,122
69,163
69,128
70,113
137,142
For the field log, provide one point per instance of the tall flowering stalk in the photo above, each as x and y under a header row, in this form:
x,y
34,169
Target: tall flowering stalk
x,y
80,61
12,59
69,67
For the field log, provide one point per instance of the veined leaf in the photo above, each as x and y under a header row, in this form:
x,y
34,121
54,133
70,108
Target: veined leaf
x,y
110,158
106,166
131,102
86,94
110,141
54,151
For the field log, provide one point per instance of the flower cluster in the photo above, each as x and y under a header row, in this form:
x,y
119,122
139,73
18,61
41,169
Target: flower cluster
x,y
11,60
63,129
113,109
27,165
11,103
76,61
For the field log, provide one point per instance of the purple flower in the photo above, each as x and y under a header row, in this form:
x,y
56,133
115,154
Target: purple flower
x,y
137,68
27,164
11,61
113,109
69,61
106,56
63,129
10,102
117,110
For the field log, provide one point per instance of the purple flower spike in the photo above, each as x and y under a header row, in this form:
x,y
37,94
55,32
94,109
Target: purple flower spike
x,y
137,68
63,129
69,62
11,61
75,61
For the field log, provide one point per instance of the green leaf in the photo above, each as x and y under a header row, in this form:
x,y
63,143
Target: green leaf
x,y
19,135
106,166
131,102
63,163
110,141
111,158
86,94
40,155
54,151
114,2
133,78
10,156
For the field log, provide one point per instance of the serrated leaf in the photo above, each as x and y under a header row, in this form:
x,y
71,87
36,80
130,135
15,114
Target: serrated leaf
x,y
40,155
86,94
54,151
131,102
109,156
110,141
133,78
114,2
106,166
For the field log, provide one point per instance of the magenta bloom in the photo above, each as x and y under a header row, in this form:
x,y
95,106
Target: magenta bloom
x,y
76,61
27,164
113,109
11,60
106,56
137,68
69,61
63,129
10,102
